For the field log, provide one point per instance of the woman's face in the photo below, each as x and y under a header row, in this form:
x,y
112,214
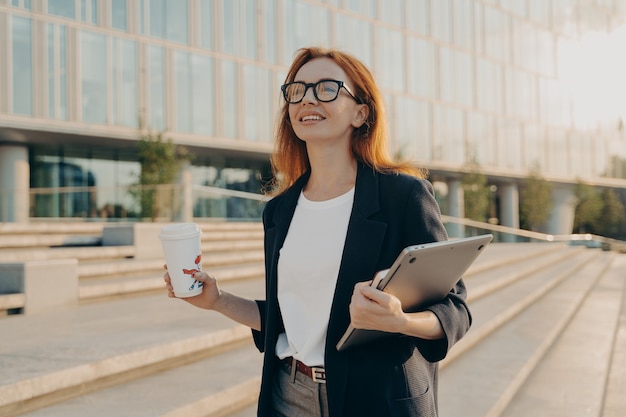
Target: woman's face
x,y
315,121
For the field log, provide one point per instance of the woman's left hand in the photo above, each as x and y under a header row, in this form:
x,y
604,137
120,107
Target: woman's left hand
x,y
373,309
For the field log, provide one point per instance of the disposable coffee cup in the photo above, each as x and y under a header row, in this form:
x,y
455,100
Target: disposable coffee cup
x,y
183,256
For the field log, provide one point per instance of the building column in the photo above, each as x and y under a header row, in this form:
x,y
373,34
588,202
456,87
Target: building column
x,y
185,182
561,220
456,207
14,184
509,208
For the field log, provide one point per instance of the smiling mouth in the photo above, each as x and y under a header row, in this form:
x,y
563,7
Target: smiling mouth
x,y
311,118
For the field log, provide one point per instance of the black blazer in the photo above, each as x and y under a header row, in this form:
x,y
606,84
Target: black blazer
x,y
393,377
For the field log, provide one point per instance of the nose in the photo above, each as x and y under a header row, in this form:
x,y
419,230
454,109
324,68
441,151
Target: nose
x,y
309,94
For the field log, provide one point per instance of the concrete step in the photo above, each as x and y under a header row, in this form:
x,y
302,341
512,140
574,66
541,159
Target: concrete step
x,y
220,384
127,351
120,267
55,356
572,376
513,329
90,289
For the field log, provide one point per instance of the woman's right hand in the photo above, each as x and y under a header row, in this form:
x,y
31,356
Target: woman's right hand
x,y
206,299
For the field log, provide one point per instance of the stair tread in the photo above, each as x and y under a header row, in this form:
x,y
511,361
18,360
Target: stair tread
x,y
167,391
475,382
571,376
57,341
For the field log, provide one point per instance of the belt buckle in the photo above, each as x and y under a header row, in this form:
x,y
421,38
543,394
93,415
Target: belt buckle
x,y
318,375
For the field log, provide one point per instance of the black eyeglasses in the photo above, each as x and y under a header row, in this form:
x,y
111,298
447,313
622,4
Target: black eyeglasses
x,y
323,90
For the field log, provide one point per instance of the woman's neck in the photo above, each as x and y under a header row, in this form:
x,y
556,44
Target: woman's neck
x,y
330,178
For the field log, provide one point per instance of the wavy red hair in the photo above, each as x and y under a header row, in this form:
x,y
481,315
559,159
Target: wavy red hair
x,y
369,143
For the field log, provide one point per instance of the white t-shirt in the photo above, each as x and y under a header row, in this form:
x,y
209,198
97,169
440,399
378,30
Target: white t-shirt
x,y
308,266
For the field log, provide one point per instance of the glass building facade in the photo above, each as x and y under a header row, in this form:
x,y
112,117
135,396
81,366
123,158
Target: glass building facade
x,y
508,84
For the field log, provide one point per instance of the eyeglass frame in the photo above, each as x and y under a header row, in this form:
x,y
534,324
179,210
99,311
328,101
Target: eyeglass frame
x,y
340,84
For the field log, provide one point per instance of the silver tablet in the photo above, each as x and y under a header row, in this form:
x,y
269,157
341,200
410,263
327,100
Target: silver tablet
x,y
421,275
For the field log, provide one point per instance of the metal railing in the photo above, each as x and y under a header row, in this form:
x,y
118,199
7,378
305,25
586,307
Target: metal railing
x,y
180,202
460,227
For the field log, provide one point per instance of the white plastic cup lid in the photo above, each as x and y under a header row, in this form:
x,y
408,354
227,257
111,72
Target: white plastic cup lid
x,y
179,231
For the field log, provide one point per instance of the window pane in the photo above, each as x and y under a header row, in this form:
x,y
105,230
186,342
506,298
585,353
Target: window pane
x,y
306,25
182,106
442,25
118,14
269,12
63,8
463,28
497,39
57,71
418,16
392,77
205,24
249,42
421,67
411,121
354,35
510,144
203,102
257,103
365,7
228,107
481,139
448,135
22,65
93,77
125,108
168,20
393,12
156,93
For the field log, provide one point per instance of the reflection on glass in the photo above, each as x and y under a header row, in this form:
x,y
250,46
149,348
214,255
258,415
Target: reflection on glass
x,y
306,25
441,12
392,78
206,24
125,107
156,93
203,95
228,106
481,139
448,138
194,93
118,14
418,16
354,35
169,20
257,104
269,11
393,12
63,8
57,71
421,67
93,77
22,65
510,144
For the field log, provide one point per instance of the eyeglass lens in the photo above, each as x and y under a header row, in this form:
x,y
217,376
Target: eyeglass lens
x,y
325,90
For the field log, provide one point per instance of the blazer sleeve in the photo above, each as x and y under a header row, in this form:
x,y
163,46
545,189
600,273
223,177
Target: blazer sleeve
x,y
423,218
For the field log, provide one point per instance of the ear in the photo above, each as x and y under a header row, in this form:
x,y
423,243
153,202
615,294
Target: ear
x,y
360,117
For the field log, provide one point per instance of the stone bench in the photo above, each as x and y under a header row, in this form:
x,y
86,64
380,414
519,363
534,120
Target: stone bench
x,y
39,286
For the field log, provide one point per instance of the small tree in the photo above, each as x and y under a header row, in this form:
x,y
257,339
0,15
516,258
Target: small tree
x,y
535,201
476,193
588,210
612,215
160,162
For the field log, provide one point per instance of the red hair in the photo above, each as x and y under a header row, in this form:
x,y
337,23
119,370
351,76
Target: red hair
x,y
368,143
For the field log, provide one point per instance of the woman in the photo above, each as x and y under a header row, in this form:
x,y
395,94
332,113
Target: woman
x,y
342,211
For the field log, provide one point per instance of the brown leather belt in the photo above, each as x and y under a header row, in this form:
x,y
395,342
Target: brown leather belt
x,y
316,373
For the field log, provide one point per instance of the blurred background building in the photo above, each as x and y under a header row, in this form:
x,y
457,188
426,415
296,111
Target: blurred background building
x,y
509,86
